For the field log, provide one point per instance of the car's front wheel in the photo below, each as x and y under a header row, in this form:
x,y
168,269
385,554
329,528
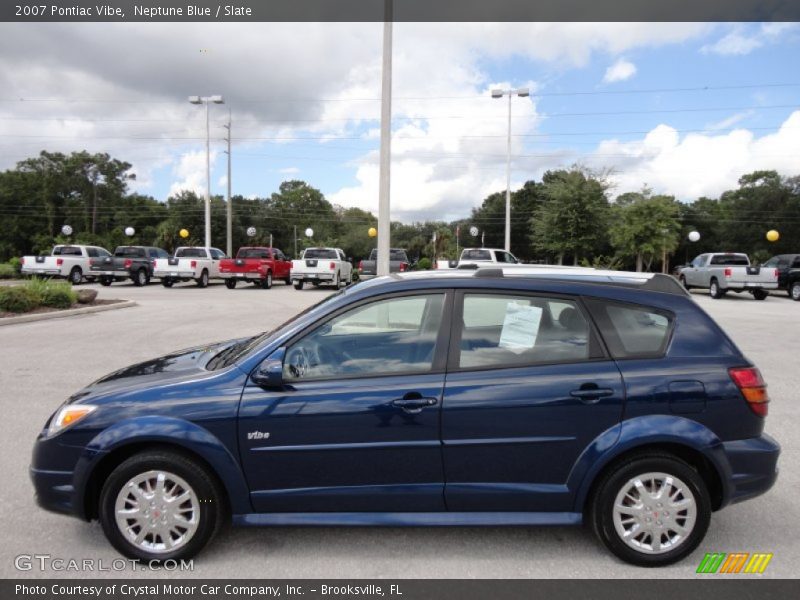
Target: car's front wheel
x,y
794,291
651,510
160,505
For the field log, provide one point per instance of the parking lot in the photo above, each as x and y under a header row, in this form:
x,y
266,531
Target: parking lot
x,y
44,362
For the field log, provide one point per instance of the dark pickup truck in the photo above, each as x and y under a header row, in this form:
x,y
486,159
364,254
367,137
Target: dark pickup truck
x,y
398,262
788,267
129,262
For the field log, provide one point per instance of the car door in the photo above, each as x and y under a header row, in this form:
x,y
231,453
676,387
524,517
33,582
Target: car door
x,y
355,426
692,274
528,388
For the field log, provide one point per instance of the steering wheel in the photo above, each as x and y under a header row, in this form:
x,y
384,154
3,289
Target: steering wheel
x,y
297,361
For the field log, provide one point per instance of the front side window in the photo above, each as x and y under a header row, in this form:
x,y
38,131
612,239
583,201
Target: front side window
x,y
699,261
92,252
508,330
387,337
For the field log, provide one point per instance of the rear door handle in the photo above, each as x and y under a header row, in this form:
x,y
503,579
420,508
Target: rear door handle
x,y
591,394
414,402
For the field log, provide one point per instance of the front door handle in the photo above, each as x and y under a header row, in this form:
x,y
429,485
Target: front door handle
x,y
414,402
591,394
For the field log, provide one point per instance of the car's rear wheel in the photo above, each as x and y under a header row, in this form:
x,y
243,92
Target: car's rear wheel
x,y
230,283
651,510
76,275
141,278
337,283
202,281
714,289
760,294
160,505
267,282
794,291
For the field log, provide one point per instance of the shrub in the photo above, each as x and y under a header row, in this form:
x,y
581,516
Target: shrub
x,y
424,263
18,299
56,294
16,263
7,271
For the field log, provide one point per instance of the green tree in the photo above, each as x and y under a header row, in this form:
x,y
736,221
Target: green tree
x,y
645,227
573,215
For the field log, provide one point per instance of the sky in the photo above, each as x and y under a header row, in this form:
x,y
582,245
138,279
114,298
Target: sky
x,y
681,108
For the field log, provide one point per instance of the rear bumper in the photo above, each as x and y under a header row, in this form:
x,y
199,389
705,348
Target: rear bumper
x,y
312,276
110,273
242,276
754,466
746,286
34,271
174,274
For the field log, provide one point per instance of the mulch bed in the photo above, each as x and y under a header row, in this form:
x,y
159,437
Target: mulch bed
x,y
48,309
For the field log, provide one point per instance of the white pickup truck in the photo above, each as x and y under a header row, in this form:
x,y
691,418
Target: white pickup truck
x,y
322,265
721,272
66,260
189,263
472,258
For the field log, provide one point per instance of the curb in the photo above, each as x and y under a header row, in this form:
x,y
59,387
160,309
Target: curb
x,y
65,313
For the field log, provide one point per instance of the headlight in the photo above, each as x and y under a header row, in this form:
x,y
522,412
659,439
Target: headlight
x,y
67,416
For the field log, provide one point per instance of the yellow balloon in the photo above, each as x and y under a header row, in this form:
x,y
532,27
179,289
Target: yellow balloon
x,y
372,232
184,233
773,235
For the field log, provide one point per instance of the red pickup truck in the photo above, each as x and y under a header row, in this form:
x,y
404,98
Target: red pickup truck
x,y
259,266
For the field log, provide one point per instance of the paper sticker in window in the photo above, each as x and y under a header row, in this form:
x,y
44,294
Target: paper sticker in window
x,y
520,327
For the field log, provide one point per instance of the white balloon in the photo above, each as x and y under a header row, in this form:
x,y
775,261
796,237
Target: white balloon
x,y
251,231
473,231
66,230
309,232
129,231
694,236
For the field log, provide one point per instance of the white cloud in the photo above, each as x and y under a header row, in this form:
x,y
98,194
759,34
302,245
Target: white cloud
x,y
619,71
729,122
289,171
699,164
741,40
190,172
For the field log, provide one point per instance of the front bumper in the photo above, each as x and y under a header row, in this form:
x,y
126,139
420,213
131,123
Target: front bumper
x,y
754,466
52,472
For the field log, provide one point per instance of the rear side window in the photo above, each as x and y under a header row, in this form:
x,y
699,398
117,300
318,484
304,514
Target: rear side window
x,y
501,330
632,331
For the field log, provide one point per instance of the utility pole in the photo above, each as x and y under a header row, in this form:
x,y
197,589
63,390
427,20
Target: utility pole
x,y
295,241
384,206
94,201
229,247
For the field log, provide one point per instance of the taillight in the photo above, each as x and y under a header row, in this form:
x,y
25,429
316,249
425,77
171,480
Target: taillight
x,y
360,265
777,273
154,264
753,388
22,260
59,262
728,272
332,266
403,267
128,263
193,264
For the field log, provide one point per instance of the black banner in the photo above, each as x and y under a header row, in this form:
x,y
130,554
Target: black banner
x,y
399,589
400,10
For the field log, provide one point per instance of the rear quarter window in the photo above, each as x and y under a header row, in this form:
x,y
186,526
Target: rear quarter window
x,y
632,330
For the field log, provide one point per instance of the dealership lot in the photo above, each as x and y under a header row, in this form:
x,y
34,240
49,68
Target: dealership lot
x,y
44,362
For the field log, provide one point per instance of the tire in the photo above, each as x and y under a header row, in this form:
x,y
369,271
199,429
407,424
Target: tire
x,y
202,281
715,290
167,283
298,285
230,283
288,281
794,291
267,282
760,294
106,281
619,488
141,278
682,279
193,522
75,276
337,283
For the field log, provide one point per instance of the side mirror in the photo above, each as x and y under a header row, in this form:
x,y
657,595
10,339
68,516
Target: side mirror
x,y
269,374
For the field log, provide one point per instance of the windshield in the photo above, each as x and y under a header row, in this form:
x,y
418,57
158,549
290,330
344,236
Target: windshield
x,y
233,353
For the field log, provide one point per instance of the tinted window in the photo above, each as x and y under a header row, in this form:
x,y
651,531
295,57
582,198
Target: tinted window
x,y
67,251
319,253
796,263
253,253
392,336
774,262
92,252
731,260
476,255
102,252
216,253
129,252
505,331
398,255
504,257
191,253
632,331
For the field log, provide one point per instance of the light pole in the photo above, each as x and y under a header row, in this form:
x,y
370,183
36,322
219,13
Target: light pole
x,y
205,100
384,220
229,230
522,93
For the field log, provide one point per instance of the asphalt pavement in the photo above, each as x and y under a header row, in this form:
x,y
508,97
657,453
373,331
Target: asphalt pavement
x,y
42,363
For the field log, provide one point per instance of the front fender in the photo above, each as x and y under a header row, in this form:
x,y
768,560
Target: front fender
x,y
645,431
172,431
